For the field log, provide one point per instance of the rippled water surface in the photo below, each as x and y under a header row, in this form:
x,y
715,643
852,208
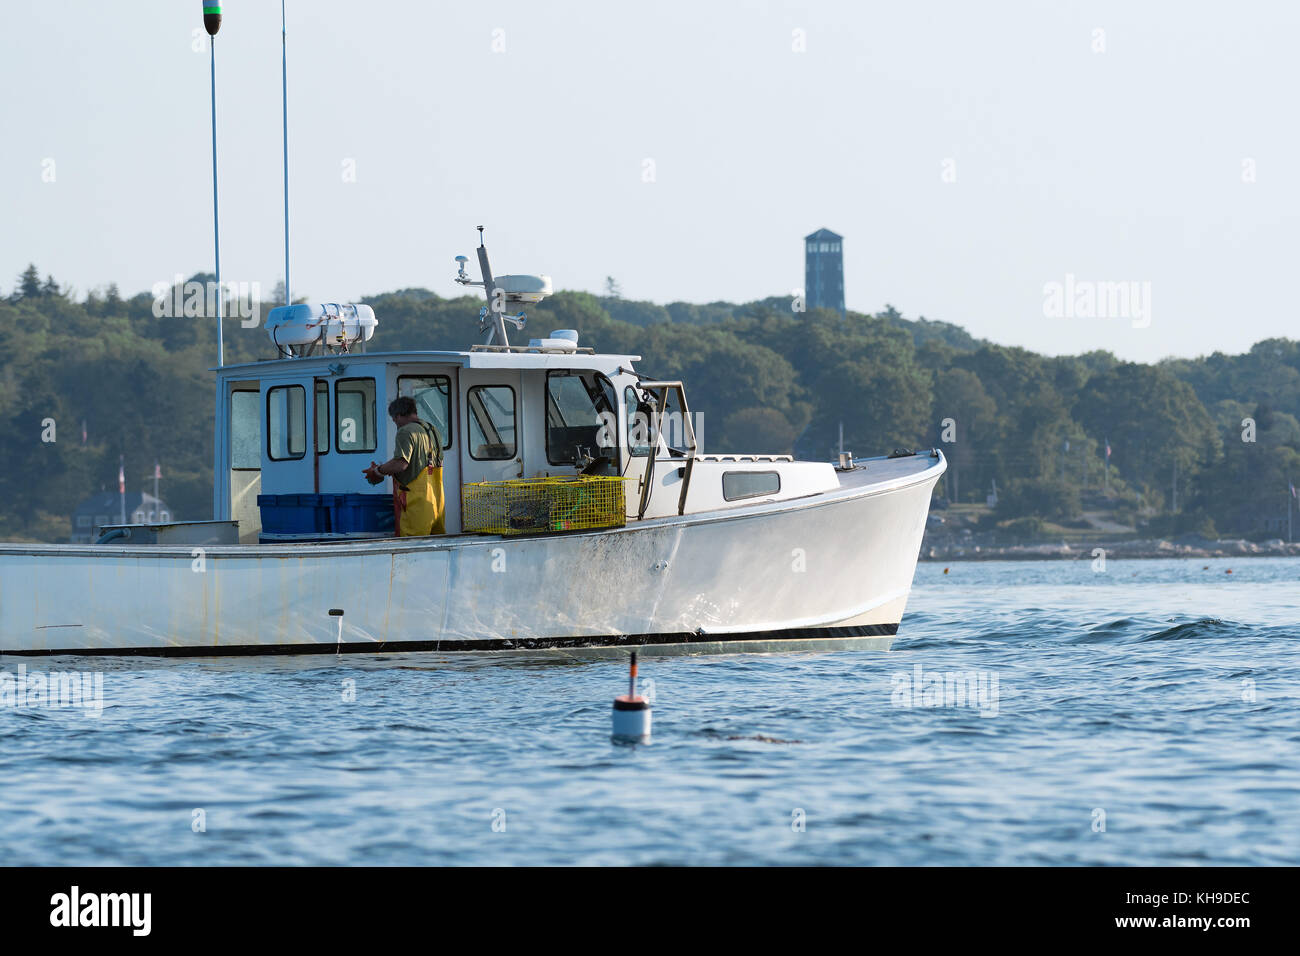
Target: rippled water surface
x,y
1147,714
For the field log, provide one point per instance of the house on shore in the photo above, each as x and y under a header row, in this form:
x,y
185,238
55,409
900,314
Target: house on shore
x,y
105,508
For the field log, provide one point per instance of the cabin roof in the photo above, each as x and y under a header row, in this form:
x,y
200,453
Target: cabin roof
x,y
474,359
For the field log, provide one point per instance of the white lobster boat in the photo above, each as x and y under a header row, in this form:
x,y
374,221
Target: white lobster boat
x,y
714,552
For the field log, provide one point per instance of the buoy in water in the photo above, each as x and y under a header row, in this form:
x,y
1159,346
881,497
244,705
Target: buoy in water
x,y
631,713
338,613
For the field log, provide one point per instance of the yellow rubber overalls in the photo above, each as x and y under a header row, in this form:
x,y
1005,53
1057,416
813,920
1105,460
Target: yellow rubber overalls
x,y
419,508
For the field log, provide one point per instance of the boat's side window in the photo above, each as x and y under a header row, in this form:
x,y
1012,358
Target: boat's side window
x,y
354,412
580,417
490,410
673,424
322,417
286,422
432,394
245,430
749,484
638,423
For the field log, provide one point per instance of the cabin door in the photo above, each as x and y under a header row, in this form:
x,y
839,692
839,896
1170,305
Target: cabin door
x,y
638,414
243,459
435,402
491,419
289,456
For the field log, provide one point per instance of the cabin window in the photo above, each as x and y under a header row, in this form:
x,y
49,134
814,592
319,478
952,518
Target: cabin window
x,y
354,408
286,422
749,484
673,425
639,416
581,417
245,431
490,410
432,394
322,418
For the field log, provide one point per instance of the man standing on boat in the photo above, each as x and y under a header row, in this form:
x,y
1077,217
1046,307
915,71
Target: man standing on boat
x,y
416,469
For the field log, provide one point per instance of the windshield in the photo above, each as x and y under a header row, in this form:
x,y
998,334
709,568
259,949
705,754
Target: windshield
x,y
581,417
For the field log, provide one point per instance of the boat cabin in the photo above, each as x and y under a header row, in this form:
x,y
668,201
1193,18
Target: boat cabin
x,y
294,435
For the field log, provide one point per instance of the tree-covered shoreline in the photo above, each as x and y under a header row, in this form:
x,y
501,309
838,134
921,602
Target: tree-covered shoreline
x,y
764,377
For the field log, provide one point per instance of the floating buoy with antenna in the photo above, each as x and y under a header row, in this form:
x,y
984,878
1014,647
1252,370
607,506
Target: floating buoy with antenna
x,y
212,23
631,713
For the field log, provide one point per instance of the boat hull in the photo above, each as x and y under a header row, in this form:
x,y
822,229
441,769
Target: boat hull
x,y
830,570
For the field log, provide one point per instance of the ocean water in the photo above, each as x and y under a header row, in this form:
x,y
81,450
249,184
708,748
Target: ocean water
x,y
1147,714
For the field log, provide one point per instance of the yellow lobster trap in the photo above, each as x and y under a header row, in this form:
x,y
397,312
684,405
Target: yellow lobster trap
x,y
542,505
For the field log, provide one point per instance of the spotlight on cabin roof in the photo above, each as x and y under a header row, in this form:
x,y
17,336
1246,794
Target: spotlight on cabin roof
x,y
300,330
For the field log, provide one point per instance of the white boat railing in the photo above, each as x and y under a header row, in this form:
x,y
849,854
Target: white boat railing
x,y
745,457
528,348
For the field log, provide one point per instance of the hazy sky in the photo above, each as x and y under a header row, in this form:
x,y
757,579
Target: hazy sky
x,y
538,119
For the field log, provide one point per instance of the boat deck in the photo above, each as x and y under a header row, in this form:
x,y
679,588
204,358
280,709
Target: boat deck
x,y
870,476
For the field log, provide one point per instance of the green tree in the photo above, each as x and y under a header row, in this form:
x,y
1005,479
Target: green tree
x,y
959,397
1159,430
29,284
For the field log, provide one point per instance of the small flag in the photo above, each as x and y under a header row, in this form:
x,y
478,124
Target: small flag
x,y
1293,494
157,470
121,478
1108,449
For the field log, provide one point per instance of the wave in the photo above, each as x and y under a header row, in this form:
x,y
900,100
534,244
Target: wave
x,y
1053,629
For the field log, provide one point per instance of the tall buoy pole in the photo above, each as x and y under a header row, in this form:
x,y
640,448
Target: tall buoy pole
x,y
284,112
212,23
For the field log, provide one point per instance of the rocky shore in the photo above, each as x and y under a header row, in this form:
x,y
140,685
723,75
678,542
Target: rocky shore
x,y
1189,546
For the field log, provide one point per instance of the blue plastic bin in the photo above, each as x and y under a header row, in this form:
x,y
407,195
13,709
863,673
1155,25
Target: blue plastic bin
x,y
356,512
294,514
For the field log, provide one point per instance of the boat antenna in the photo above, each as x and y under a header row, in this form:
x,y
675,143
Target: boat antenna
x,y
496,306
212,23
492,316
284,101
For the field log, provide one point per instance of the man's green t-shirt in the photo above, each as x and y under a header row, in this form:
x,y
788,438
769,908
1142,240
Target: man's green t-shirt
x,y
419,443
